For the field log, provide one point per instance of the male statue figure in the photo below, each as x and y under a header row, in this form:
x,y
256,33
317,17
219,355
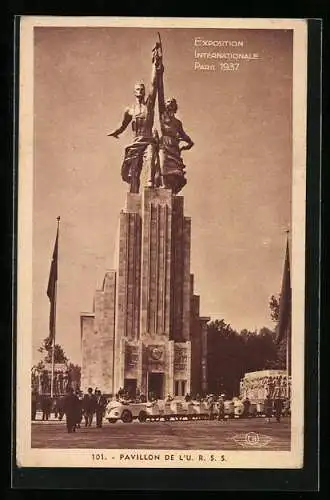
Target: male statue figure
x,y
141,152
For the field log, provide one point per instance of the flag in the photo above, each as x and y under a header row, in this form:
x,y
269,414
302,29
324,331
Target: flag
x,y
51,291
284,320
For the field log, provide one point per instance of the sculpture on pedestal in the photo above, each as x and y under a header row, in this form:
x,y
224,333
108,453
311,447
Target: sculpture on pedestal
x,y
159,157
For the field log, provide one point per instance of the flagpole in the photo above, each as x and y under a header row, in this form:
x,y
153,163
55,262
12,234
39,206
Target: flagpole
x,y
53,346
54,334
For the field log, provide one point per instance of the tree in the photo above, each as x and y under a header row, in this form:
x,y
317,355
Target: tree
x,y
232,354
59,354
274,305
272,352
73,370
226,358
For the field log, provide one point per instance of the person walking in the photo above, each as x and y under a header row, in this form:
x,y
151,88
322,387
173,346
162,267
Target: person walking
x,y
221,409
100,404
89,407
268,407
34,402
60,407
278,407
286,408
46,404
246,404
55,407
211,405
71,405
79,408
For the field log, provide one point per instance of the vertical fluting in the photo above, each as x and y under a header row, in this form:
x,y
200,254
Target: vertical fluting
x,y
156,268
148,270
165,217
134,271
125,276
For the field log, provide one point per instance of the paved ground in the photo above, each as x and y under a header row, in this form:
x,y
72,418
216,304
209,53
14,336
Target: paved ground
x,y
207,435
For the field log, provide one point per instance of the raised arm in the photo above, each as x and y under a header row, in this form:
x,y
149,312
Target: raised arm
x,y
156,67
161,96
125,122
153,87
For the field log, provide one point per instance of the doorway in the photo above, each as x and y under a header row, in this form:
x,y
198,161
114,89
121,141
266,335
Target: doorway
x,y
156,385
130,385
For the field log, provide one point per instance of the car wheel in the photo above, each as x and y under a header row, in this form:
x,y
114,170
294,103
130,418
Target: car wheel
x,y
126,417
112,420
142,416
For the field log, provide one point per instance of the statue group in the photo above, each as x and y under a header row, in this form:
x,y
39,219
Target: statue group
x,y
157,155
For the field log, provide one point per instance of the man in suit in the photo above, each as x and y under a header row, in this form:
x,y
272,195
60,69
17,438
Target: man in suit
x,y
221,409
34,404
71,405
46,406
278,407
79,408
268,407
247,405
60,407
89,407
100,403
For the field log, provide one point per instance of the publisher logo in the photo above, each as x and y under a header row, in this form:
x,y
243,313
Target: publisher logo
x,y
252,440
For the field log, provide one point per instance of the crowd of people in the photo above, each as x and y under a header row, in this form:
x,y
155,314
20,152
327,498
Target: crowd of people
x,y
76,406
79,406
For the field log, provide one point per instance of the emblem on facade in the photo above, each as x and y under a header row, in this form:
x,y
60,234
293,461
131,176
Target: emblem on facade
x,y
156,353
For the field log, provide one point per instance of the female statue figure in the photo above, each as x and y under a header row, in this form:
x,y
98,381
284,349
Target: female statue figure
x,y
172,134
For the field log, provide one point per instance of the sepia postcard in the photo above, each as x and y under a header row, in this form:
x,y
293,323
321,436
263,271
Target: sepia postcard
x,y
161,243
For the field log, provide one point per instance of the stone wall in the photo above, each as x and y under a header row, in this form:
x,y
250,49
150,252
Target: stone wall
x,y
89,351
97,336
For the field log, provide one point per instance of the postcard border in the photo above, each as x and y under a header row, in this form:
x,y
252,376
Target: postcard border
x,y
312,318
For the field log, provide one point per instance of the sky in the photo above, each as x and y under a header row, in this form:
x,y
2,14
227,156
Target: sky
x,y
238,193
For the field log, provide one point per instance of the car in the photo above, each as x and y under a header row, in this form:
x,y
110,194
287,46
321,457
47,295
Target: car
x,y
155,410
199,410
125,411
176,409
166,410
239,410
229,408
